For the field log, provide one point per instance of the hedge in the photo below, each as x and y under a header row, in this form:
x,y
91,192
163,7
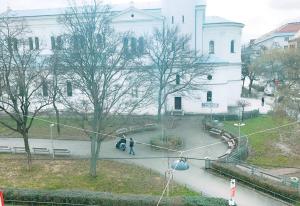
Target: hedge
x,y
262,184
233,117
62,197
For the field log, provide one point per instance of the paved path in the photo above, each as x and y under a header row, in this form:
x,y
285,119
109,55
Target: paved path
x,y
196,177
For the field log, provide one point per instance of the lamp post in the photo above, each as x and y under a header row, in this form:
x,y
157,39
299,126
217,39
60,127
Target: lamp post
x,y
52,143
239,125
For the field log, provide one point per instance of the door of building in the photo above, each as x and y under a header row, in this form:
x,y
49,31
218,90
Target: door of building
x,y
178,103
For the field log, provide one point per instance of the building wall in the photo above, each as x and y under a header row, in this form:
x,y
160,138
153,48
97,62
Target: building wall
x,y
222,35
226,83
281,41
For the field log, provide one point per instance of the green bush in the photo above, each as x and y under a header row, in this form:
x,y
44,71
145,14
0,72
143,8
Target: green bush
x,y
262,184
171,142
191,201
61,197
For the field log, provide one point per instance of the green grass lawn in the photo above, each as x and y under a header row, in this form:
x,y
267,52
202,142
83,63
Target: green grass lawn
x,y
41,126
114,177
263,149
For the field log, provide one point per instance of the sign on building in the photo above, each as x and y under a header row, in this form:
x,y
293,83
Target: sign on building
x,y
210,105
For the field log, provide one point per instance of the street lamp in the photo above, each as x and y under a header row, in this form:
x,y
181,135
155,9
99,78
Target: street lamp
x,y
240,124
52,143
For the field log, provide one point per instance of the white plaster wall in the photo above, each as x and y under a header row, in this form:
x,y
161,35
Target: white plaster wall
x,y
222,36
177,9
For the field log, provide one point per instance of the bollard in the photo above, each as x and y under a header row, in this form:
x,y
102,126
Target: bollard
x,y
207,163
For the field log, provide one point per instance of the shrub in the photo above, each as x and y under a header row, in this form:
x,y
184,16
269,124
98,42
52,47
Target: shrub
x,y
80,198
262,184
190,201
171,142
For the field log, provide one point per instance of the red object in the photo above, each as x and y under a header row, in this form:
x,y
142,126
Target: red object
x,y
1,199
233,191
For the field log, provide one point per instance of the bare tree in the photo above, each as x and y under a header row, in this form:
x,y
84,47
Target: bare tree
x,y
22,77
174,67
243,104
99,69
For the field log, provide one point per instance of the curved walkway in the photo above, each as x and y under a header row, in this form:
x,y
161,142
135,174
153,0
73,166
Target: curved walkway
x,y
196,177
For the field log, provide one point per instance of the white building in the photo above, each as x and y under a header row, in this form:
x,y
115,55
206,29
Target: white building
x,y
213,36
278,38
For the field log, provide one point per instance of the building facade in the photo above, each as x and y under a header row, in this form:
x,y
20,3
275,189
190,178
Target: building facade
x,y
215,37
278,38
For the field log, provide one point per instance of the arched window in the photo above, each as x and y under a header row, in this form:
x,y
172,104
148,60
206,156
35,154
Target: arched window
x,y
232,46
211,47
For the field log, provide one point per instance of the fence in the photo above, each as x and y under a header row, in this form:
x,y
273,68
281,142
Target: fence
x,y
232,117
240,153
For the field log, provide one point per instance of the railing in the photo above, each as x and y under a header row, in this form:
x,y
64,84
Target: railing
x,y
240,153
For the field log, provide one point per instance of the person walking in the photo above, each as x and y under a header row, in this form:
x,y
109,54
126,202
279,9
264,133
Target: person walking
x,y
263,101
131,145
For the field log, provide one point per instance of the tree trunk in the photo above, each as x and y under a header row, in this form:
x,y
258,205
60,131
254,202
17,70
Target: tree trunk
x,y
250,85
243,110
93,163
159,106
243,83
95,143
27,149
57,118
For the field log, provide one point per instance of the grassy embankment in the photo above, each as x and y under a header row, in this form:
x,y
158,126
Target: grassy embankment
x,y
279,147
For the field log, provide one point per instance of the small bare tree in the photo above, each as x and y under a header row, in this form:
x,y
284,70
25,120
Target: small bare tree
x,y
174,67
96,63
243,104
22,77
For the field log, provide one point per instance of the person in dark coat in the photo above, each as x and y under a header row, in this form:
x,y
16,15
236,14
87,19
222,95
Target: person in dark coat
x,y
131,145
263,101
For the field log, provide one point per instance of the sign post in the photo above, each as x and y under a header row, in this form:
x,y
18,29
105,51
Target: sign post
x,y
1,199
210,105
232,192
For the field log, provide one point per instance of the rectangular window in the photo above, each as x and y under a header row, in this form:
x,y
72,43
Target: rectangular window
x,y
183,19
172,19
209,96
141,46
15,44
133,46
177,79
99,40
69,89
30,43
125,46
178,105
52,42
9,44
45,89
59,43
37,43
